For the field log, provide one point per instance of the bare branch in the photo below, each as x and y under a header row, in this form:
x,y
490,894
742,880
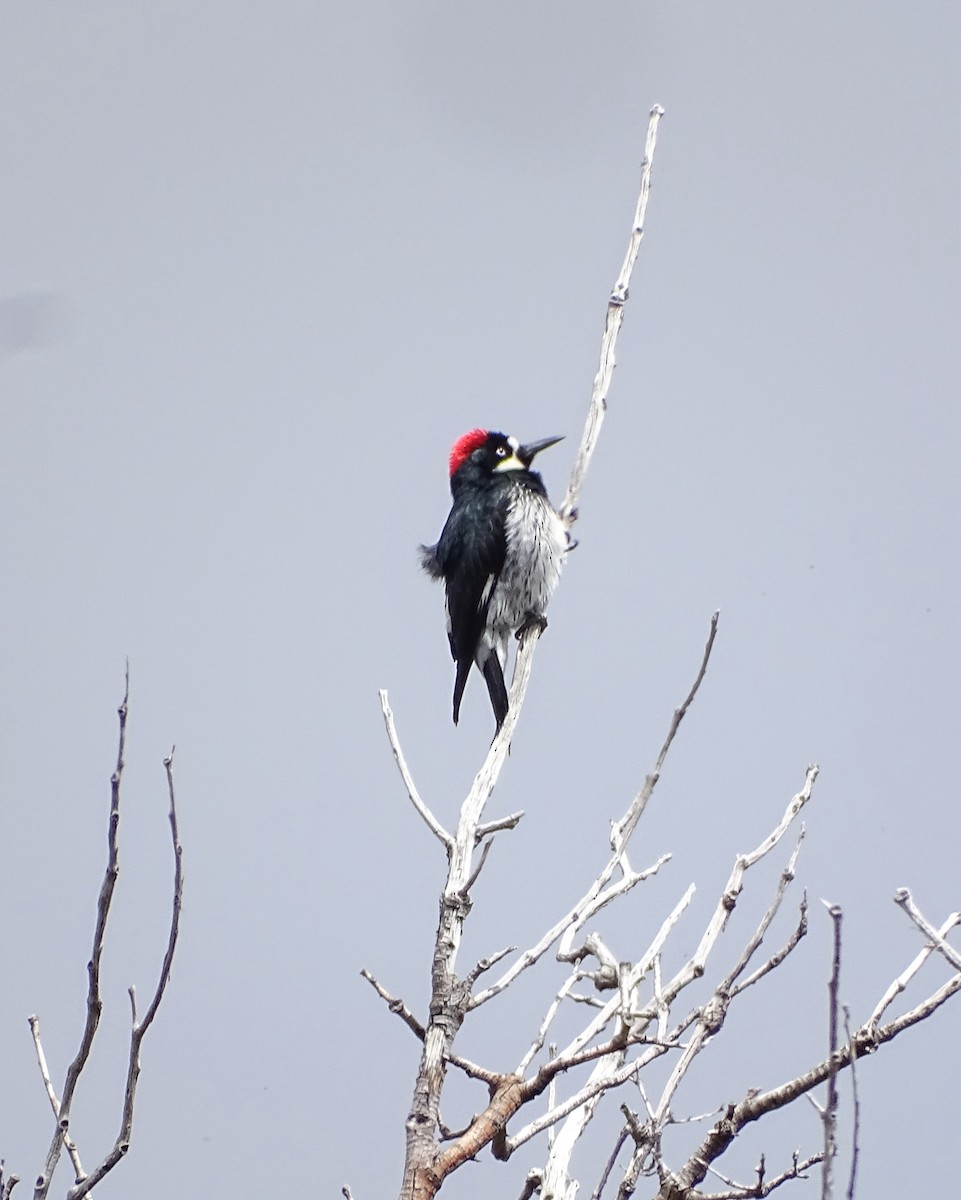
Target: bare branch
x,y
175,908
763,1187
831,1105
610,1073
622,830
597,897
551,1101
640,1019
485,964
429,819
613,1070
400,1009
449,997
800,930
784,881
743,863
643,1150
69,1145
138,1030
94,1002
755,1104
7,1184
903,899
85,1183
622,1137
475,1071
396,1006
902,981
531,1184
510,822
694,968
545,1025
480,866
599,894
856,1119
615,317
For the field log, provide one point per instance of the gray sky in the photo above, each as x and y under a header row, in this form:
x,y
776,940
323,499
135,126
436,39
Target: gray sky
x,y
262,264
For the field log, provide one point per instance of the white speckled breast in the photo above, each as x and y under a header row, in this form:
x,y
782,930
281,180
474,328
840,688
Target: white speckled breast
x,y
536,545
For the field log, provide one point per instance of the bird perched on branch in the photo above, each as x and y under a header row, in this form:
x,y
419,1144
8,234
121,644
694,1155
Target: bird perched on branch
x,y
499,555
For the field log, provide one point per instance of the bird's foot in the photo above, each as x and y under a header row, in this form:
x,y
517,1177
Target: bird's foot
x,y
532,620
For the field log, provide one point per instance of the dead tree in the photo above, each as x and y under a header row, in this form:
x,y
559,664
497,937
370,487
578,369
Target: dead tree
x,y
62,1139
639,1014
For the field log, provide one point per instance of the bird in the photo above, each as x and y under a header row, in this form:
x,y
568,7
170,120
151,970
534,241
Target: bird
x,y
499,555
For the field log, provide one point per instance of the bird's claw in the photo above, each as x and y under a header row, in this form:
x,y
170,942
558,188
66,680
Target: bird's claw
x,y
532,620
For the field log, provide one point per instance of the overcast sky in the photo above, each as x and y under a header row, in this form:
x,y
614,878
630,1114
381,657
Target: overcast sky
x,y
262,264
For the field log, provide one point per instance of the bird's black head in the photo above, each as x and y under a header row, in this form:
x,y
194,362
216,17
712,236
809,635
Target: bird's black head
x,y
486,451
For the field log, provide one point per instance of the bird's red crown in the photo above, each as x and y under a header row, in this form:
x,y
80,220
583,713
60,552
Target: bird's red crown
x,y
464,447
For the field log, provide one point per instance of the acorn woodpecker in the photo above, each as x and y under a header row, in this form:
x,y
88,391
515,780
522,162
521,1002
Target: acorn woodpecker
x,y
499,555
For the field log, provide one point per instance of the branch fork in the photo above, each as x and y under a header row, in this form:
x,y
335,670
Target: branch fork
x,y
84,1182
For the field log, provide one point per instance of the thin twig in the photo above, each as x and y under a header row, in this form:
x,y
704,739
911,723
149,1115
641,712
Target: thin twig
x,y
641,1019
531,1184
429,819
900,984
622,830
485,964
69,1144
475,1070
94,1002
510,822
480,866
622,1137
8,1183
856,1115
784,880
541,1035
607,1075
615,317
764,1187
799,931
139,1029
597,897
831,1104
400,1009
904,900
396,1006
743,863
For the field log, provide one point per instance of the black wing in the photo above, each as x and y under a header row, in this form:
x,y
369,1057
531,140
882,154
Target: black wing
x,y
469,556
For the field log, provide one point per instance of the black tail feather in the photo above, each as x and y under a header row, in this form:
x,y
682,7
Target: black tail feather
x,y
496,688
460,682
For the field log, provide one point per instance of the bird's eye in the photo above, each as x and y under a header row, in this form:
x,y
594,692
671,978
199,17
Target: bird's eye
x,y
501,451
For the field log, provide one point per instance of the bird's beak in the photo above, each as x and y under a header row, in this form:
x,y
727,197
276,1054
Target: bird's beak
x,y
526,453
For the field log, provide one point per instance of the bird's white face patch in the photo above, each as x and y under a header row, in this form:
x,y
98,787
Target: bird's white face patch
x,y
511,462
